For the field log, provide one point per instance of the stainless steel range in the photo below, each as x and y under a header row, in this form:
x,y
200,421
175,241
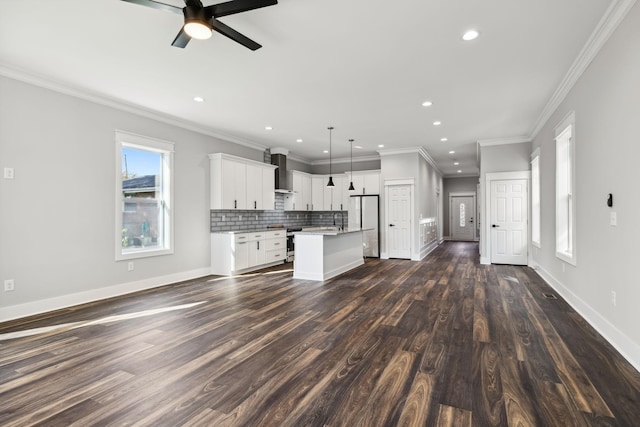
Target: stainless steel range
x,y
291,243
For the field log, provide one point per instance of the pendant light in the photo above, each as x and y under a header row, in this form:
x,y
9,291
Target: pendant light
x,y
330,183
351,187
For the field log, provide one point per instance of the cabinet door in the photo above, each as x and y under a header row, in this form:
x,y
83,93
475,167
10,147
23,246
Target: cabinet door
x,y
241,256
254,187
317,192
305,203
371,183
234,185
358,183
257,249
338,192
268,187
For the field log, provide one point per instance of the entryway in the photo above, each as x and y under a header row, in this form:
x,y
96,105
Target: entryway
x,y
462,208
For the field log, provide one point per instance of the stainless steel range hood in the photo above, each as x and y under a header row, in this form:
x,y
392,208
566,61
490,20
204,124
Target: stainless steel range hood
x,y
279,158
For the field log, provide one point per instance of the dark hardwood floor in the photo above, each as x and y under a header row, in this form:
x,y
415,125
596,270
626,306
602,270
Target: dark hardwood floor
x,y
442,342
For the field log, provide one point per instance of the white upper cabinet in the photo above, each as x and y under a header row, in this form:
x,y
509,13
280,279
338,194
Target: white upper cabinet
x,y
238,183
366,182
317,192
300,184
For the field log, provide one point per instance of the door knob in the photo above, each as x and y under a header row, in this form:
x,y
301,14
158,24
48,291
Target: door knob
x,y
495,225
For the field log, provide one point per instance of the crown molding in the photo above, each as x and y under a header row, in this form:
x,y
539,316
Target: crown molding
x,y
503,141
345,160
612,18
82,93
412,150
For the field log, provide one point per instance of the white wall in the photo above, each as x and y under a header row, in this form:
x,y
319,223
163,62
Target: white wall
x,y
606,101
57,216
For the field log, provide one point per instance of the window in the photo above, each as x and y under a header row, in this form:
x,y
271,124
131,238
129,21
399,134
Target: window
x,y
144,195
462,216
535,198
565,196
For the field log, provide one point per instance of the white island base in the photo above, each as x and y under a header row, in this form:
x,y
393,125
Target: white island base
x,y
321,255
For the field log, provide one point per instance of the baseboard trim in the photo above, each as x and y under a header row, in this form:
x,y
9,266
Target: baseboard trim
x,y
427,250
618,339
50,304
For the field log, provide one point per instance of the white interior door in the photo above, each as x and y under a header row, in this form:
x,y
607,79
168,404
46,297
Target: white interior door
x,y
462,224
399,221
509,212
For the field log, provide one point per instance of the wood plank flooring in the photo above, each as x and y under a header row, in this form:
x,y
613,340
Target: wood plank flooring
x,y
442,342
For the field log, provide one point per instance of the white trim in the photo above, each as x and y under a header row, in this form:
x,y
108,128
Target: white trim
x,y
412,150
608,24
503,141
485,258
567,123
345,160
475,210
535,153
535,162
618,339
57,303
400,181
165,148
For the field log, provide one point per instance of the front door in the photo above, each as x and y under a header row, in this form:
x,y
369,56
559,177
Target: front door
x,y
509,212
462,217
399,221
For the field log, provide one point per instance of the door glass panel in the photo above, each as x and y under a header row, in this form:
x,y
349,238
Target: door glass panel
x,y
462,215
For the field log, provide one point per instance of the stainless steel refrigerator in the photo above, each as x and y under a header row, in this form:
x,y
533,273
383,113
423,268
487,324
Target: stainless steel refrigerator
x,y
364,212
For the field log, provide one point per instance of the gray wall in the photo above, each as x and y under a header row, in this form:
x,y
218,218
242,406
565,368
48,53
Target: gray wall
x,y
493,159
457,185
606,101
57,235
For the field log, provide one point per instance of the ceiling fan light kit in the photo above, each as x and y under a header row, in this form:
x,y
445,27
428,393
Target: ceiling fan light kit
x,y
200,21
195,23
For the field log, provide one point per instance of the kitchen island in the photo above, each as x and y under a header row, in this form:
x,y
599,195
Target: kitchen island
x,y
325,252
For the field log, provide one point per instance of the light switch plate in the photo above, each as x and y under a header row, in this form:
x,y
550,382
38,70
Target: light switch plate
x,y
8,173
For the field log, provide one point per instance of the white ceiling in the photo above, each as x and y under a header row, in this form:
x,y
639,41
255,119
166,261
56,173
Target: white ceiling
x,y
362,66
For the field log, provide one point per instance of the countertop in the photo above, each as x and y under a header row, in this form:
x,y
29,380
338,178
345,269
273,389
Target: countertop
x,y
259,230
328,231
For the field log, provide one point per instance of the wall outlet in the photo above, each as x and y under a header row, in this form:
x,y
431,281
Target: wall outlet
x,y
9,285
224,217
613,219
239,217
130,266
8,173
613,298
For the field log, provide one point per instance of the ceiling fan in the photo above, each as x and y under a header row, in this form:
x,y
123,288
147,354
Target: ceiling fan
x,y
200,20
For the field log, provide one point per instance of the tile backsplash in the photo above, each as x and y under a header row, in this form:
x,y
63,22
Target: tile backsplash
x,y
239,220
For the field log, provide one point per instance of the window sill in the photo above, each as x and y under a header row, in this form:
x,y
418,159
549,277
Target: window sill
x,y
143,253
567,257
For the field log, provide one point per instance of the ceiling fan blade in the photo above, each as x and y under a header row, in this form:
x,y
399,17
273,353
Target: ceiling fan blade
x,y
181,39
236,6
156,5
225,30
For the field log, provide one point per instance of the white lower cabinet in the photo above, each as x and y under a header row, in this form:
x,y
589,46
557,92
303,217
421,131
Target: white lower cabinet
x,y
233,253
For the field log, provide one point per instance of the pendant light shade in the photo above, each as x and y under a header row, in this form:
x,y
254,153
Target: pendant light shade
x,y
351,187
330,183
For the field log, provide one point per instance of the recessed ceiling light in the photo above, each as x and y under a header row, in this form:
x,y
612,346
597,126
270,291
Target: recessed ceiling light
x,y
452,152
325,151
427,104
456,163
198,99
459,171
357,146
268,128
443,139
380,145
470,35
298,140
437,123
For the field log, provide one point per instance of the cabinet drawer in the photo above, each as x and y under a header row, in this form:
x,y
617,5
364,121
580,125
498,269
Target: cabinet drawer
x,y
276,255
244,237
276,234
272,244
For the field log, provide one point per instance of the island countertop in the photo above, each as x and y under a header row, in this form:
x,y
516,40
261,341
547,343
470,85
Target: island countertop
x,y
328,231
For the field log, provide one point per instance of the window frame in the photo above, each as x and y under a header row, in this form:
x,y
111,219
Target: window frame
x,y
535,199
166,149
565,137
